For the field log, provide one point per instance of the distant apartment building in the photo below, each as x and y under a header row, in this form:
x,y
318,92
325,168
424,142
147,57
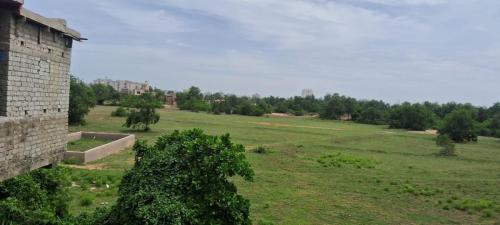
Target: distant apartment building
x,y
307,93
125,86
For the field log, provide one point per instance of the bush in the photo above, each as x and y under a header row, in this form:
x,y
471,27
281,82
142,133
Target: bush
x,y
87,200
119,112
184,179
460,126
448,147
261,150
146,115
37,197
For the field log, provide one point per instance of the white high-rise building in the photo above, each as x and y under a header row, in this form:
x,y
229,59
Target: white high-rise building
x,y
307,93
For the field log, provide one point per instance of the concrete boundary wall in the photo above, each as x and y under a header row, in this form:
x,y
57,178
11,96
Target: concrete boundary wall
x,y
119,143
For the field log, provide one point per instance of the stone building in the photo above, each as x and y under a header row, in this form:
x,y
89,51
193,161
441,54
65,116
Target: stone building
x,y
171,98
35,56
125,86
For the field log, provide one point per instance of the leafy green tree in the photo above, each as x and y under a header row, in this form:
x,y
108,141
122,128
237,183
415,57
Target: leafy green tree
x,y
334,107
39,197
81,100
184,178
448,147
494,126
460,126
411,117
372,115
192,99
145,115
104,93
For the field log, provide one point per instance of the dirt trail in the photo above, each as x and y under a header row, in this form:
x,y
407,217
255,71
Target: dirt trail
x,y
88,167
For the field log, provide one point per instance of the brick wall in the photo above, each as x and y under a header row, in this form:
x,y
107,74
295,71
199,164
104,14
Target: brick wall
x,y
34,95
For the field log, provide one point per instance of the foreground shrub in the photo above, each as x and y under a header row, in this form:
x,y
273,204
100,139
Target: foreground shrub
x,y
36,198
184,179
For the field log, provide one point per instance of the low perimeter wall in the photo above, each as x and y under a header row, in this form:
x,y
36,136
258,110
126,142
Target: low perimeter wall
x,y
120,142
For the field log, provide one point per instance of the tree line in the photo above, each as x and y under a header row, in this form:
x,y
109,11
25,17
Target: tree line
x,y
463,122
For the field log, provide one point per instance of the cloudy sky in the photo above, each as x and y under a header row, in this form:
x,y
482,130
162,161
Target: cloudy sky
x,y
394,50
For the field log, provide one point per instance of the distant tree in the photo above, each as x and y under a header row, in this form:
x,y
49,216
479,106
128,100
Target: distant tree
x,y
143,113
334,107
192,99
448,147
159,94
184,178
104,93
411,117
372,115
494,126
460,126
81,100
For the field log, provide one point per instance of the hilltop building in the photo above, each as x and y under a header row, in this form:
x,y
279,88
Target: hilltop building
x,y
125,86
35,58
307,93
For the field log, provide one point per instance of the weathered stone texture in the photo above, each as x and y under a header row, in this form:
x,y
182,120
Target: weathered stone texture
x,y
34,94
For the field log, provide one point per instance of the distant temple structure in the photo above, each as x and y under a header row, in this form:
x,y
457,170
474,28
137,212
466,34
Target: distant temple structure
x,y
35,58
170,98
125,86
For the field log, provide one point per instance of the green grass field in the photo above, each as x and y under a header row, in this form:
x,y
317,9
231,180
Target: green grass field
x,y
325,172
85,144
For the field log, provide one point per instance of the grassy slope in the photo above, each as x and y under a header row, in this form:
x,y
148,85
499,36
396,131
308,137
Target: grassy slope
x,y
291,187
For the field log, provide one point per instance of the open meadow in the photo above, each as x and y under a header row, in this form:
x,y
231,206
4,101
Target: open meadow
x,y
324,172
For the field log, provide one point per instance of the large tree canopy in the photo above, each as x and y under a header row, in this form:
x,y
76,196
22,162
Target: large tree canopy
x,y
184,179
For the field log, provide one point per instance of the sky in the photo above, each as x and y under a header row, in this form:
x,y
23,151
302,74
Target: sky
x,y
392,50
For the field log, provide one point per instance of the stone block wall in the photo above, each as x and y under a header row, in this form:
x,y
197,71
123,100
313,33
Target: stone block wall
x,y
34,94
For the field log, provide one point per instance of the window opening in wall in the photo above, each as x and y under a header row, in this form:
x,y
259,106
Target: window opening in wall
x,y
44,110
68,42
62,54
26,112
39,36
59,110
22,43
50,50
54,36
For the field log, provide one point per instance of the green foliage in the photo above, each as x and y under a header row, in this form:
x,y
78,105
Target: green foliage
x,y
411,117
105,93
36,198
494,126
87,200
341,160
192,99
81,99
472,205
120,112
184,179
146,114
460,126
448,147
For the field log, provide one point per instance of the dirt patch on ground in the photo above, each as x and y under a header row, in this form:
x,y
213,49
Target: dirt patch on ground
x,y
288,125
429,132
88,167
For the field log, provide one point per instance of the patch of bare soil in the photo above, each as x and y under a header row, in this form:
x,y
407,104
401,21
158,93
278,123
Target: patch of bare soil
x,y
429,132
